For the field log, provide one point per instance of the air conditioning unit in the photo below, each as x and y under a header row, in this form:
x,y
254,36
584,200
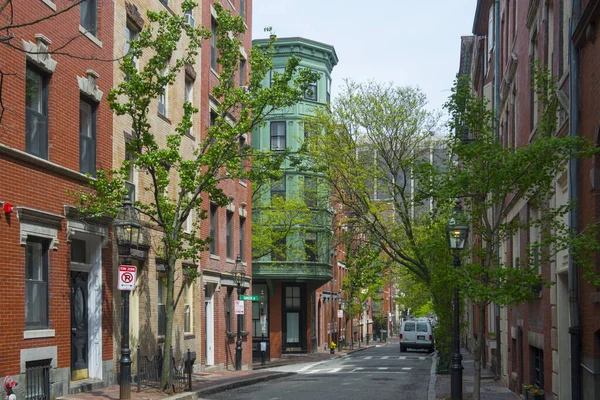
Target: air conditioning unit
x,y
190,20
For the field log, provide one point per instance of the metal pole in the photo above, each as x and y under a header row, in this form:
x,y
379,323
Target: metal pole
x,y
125,362
238,344
456,368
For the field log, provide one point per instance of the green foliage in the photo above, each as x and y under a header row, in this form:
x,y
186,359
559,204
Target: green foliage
x,y
164,47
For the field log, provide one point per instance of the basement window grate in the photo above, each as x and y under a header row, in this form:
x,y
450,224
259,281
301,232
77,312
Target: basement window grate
x,y
37,375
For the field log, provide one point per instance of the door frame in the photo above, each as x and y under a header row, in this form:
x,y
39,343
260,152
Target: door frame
x,y
301,310
209,324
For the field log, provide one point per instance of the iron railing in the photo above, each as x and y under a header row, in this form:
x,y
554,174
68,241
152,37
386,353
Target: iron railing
x,y
149,370
37,375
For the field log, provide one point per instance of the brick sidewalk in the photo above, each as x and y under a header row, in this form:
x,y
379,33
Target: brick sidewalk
x,y
490,389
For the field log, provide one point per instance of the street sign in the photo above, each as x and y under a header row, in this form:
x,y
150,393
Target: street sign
x,y
127,277
340,313
263,324
248,298
239,307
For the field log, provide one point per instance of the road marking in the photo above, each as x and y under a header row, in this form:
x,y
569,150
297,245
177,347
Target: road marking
x,y
406,368
382,368
403,358
314,371
421,358
333,371
385,357
368,358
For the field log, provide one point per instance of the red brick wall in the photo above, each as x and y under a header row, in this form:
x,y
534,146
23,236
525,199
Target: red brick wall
x,y
26,185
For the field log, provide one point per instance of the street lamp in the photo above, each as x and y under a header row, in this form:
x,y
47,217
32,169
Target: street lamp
x,y
238,276
127,231
457,232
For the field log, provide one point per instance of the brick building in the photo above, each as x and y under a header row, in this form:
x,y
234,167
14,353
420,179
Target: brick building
x,y
203,321
232,224
57,332
552,341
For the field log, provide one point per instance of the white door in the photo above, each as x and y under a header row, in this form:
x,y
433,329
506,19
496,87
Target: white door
x,y
209,316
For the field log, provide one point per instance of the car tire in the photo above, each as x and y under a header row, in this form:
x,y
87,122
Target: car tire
x,y
402,349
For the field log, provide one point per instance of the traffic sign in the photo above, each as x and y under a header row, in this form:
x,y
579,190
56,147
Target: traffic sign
x,y
340,313
127,275
248,298
239,307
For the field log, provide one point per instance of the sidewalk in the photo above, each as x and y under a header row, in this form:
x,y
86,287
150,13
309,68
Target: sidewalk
x,y
490,389
207,383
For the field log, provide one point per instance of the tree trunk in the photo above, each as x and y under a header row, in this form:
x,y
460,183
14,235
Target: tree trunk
x,y
479,346
169,312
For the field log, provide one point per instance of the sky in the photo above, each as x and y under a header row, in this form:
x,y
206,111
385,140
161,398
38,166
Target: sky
x,y
407,42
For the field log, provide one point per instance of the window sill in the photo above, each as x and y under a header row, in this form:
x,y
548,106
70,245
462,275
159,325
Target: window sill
x,y
214,72
50,4
215,257
189,134
39,333
90,36
164,118
244,184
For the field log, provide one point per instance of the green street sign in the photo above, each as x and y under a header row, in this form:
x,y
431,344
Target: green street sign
x,y
248,298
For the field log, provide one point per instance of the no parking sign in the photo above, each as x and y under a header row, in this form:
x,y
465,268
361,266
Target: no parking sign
x,y
127,277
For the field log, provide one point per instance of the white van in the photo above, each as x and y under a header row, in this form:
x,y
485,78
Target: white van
x,y
416,334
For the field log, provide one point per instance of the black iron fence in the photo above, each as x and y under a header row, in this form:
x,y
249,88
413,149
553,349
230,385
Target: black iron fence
x,y
149,370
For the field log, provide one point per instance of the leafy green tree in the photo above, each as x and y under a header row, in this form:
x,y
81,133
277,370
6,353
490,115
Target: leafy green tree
x,y
375,142
495,182
168,44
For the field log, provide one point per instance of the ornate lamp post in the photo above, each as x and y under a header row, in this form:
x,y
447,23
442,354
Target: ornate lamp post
x,y
127,231
457,232
238,276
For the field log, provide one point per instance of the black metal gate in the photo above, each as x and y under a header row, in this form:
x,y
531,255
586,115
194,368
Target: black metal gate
x,y
149,370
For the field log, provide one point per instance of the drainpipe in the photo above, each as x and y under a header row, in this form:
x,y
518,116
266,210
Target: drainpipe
x,y
497,67
575,317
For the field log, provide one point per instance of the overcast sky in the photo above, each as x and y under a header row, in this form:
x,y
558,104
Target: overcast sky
x,y
408,42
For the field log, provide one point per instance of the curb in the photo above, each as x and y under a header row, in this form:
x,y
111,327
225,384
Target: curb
x,y
431,393
238,383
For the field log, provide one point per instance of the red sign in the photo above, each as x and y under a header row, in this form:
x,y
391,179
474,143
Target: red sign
x,y
127,275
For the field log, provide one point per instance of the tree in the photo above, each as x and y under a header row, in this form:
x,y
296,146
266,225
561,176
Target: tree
x,y
375,142
495,182
170,44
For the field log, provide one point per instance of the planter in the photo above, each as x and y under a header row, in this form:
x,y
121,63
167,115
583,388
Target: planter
x,y
531,396
331,351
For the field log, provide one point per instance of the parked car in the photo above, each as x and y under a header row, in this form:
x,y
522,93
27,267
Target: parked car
x,y
416,334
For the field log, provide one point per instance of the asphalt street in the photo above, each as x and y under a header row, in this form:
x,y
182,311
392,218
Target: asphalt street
x,y
381,373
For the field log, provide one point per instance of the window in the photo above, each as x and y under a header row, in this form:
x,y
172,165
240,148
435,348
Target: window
x,y
310,191
163,98
242,72
36,113
189,18
229,232
87,138
78,251
36,283
278,188
161,308
328,88
37,379
243,9
130,179
213,228
165,2
310,246
188,290
279,249
242,239
89,16
278,135
131,35
537,367
189,98
213,44
409,327
228,314
278,71
292,297
311,91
